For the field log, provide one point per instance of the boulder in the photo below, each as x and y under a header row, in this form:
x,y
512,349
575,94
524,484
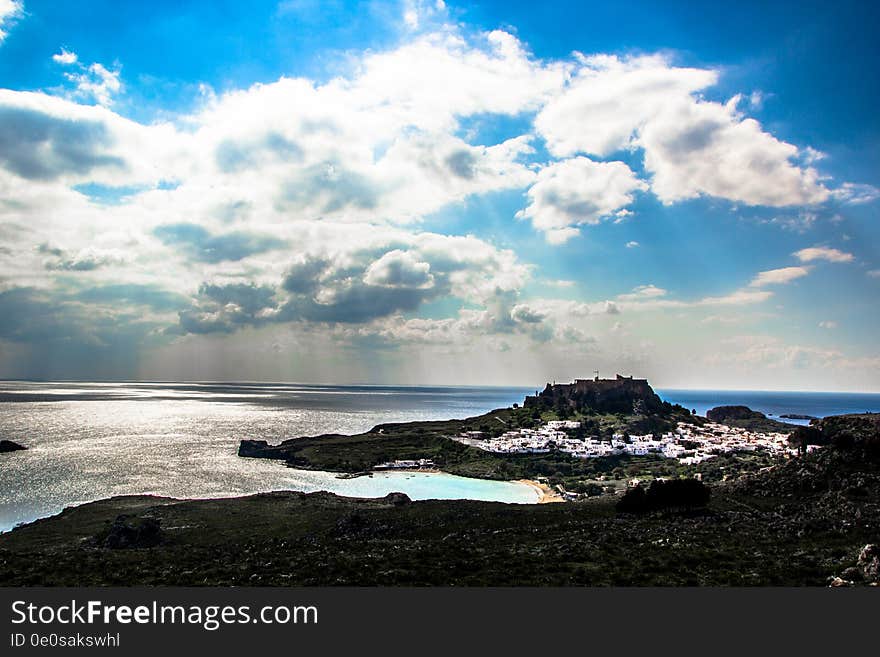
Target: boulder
x,y
128,532
397,499
253,448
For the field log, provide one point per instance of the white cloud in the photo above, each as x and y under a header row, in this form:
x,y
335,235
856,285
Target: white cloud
x,y
703,148
96,82
823,253
828,324
65,57
399,269
643,292
578,191
10,10
873,273
856,193
779,276
632,244
609,99
691,146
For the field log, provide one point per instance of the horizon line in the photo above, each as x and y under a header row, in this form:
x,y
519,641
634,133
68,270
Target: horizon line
x,y
416,385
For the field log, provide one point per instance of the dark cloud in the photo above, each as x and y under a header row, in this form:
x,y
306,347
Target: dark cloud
x,y
85,264
526,315
247,296
302,277
82,262
47,249
47,335
196,242
334,185
356,304
234,156
38,146
226,308
151,296
463,164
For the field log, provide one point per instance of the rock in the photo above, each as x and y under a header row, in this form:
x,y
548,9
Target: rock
x,y
9,446
838,582
127,532
397,499
726,413
869,562
253,448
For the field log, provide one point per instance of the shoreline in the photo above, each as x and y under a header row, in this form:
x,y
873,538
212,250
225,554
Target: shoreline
x,y
546,495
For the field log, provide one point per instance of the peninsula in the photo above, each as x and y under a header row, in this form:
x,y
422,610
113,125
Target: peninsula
x,y
588,437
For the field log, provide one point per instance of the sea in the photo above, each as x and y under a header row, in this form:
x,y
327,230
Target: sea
x,y
92,440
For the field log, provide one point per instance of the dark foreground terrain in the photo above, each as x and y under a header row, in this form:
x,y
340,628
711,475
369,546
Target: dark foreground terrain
x,y
803,522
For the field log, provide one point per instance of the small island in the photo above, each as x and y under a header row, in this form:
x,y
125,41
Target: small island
x,y
10,446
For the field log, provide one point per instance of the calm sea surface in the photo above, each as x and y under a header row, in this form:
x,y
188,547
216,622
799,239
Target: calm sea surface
x,y
87,441
774,404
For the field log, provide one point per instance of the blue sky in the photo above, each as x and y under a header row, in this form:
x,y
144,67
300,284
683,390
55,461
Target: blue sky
x,y
428,192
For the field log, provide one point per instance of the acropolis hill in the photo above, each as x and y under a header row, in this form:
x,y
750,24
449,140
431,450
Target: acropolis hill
x,y
622,394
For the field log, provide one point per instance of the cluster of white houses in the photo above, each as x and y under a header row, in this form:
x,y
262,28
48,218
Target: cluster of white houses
x,y
688,443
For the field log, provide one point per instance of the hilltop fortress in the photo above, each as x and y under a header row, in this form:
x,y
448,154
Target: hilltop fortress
x,y
622,394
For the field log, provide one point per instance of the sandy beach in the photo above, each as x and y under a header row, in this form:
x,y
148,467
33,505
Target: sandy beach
x,y
546,495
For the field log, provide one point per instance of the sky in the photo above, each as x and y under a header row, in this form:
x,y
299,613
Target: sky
x,y
425,192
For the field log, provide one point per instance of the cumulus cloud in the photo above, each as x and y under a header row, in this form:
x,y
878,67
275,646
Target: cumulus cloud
x,y
45,138
779,276
691,146
65,57
10,11
578,191
823,253
828,324
632,244
399,269
299,203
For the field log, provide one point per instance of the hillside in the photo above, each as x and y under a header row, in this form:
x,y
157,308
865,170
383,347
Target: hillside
x,y
638,410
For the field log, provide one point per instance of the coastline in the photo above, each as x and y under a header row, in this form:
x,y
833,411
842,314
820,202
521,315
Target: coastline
x,y
546,495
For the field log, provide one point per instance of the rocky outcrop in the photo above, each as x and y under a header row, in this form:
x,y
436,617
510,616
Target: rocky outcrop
x,y
397,499
9,446
128,532
622,394
746,418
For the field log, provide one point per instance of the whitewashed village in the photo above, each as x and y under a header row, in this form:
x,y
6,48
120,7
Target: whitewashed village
x,y
689,443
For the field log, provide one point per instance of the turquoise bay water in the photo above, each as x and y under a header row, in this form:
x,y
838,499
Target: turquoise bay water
x,y
88,441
